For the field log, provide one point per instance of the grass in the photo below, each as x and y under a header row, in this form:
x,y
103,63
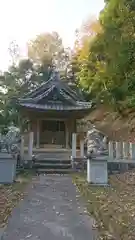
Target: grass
x,y
10,194
113,207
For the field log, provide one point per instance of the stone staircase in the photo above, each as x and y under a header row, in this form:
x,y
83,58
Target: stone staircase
x,y
53,162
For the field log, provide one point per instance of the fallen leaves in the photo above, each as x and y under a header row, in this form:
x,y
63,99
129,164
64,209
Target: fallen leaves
x,y
10,194
113,207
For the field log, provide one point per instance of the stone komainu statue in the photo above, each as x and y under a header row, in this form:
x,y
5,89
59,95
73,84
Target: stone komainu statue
x,y
11,141
96,143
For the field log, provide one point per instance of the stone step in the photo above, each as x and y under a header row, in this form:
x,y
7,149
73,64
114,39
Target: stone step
x,y
51,150
53,154
52,165
52,161
54,146
54,171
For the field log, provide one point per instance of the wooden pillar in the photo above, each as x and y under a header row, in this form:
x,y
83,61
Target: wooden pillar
x,y
74,145
29,125
30,146
38,134
82,148
81,134
22,148
67,135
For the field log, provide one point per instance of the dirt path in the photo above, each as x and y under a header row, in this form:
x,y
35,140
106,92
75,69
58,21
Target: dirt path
x,y
52,210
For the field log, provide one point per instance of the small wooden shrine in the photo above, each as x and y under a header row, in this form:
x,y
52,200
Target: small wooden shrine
x,y
52,110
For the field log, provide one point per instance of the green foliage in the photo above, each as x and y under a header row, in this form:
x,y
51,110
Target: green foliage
x,y
109,72
47,49
29,73
43,48
16,82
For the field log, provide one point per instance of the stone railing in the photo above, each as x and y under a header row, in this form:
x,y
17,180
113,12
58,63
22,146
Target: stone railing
x,y
121,156
121,151
102,157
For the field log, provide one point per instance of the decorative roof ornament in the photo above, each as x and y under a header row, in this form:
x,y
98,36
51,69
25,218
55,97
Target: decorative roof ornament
x,y
55,63
56,94
61,63
55,76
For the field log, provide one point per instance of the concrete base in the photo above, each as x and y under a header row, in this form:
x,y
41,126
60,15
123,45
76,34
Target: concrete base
x,y
97,171
1,232
7,168
100,185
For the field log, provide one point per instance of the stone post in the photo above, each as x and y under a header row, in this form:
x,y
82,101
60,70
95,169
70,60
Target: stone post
x,y
111,151
74,145
30,146
132,151
125,150
88,171
82,148
22,148
118,148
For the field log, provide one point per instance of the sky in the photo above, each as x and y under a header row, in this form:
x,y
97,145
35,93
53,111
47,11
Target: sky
x,y
22,20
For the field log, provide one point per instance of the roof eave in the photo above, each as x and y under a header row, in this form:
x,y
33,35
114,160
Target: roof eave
x,y
55,107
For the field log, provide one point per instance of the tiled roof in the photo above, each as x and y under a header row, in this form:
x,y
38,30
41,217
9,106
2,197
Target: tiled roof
x,y
56,106
43,97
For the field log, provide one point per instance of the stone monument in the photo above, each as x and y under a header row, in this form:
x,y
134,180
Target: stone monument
x,y
9,146
97,154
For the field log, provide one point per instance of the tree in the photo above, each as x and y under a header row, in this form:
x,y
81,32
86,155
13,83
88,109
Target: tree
x,y
14,52
109,72
25,75
88,30
47,49
17,81
84,37
43,48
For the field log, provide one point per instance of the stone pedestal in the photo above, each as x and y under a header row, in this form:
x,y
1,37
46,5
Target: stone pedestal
x,y
7,168
97,171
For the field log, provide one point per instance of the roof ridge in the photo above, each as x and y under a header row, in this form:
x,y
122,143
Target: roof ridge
x,y
46,88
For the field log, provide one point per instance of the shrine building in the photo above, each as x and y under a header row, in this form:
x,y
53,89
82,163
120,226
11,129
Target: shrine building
x,y
53,110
